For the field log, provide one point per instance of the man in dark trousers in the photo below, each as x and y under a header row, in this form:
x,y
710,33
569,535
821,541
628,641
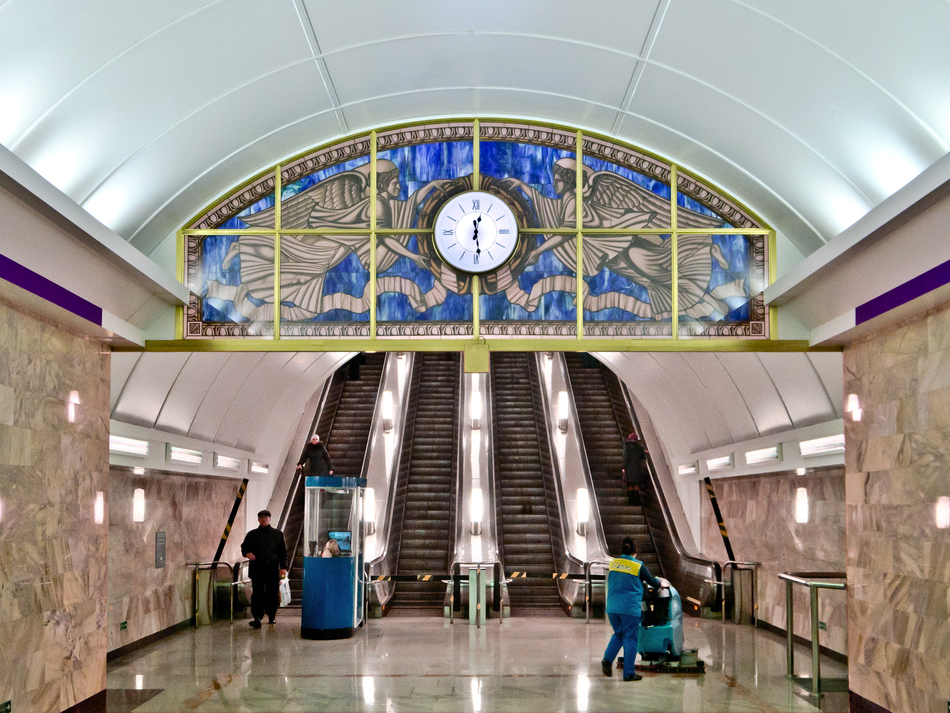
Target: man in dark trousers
x,y
625,581
267,551
635,471
316,453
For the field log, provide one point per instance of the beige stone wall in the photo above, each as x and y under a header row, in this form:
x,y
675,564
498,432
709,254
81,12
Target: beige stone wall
x,y
759,515
52,554
898,465
192,511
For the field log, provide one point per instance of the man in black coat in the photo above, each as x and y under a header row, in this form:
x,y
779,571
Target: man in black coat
x,y
267,551
316,453
635,471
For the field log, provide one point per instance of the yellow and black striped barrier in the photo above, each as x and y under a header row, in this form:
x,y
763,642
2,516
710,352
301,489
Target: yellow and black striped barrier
x,y
722,525
464,577
227,528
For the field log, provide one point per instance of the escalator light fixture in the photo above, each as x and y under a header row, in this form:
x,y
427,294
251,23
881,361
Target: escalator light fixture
x,y
387,410
138,470
942,513
720,463
823,446
583,511
183,455
128,446
138,505
227,462
259,468
801,505
562,410
369,512
476,408
476,510
763,455
688,469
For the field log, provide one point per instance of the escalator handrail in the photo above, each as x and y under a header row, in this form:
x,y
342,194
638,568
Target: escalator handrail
x,y
556,472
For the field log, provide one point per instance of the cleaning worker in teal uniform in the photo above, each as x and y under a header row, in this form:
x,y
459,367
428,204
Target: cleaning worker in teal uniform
x,y
625,582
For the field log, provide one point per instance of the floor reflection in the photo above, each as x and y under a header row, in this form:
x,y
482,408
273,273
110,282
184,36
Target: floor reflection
x,y
422,664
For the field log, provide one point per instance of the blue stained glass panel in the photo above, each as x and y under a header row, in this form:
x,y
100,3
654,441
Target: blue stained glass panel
x,y
529,169
729,276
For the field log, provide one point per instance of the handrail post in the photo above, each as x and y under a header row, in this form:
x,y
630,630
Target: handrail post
x,y
815,663
496,589
789,623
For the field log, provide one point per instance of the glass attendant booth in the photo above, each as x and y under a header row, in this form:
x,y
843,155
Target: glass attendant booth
x,y
332,598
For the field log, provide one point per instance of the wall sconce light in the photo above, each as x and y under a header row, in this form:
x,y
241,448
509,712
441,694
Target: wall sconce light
x,y
562,411
942,513
476,410
128,446
476,510
800,471
369,512
853,407
801,505
583,511
99,509
72,406
387,410
1,509
138,470
138,505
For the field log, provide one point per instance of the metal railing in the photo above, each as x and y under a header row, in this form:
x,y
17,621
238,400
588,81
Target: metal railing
x,y
744,567
213,567
808,579
495,565
589,585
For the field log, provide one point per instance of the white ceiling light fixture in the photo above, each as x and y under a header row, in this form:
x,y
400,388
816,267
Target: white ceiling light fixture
x,y
721,463
822,446
128,446
226,462
763,455
688,469
259,468
183,455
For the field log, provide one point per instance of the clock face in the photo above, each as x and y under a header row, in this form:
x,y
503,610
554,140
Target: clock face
x,y
476,232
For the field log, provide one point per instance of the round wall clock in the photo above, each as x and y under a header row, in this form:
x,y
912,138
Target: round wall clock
x,y
476,232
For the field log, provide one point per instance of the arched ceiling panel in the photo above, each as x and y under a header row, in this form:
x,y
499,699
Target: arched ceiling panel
x,y
758,391
829,367
800,388
158,88
273,396
502,61
122,364
147,387
188,391
694,393
256,385
223,127
225,387
722,390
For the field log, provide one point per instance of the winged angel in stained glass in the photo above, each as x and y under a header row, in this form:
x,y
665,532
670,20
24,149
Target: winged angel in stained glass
x,y
614,202
339,201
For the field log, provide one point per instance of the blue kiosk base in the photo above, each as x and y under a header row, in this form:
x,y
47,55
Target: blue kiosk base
x,y
330,606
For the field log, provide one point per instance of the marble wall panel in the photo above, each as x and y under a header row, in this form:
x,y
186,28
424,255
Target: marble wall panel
x,y
52,554
192,511
898,560
758,512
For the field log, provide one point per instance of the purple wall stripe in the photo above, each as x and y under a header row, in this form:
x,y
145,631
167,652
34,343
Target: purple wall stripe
x,y
47,289
902,294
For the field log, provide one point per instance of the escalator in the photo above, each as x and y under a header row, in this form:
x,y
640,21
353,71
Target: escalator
x,y
525,500
603,441
344,425
606,417
427,512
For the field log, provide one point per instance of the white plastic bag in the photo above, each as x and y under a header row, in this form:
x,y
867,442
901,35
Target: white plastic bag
x,y
284,592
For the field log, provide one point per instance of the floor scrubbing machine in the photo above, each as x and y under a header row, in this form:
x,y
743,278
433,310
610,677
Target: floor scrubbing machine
x,y
661,635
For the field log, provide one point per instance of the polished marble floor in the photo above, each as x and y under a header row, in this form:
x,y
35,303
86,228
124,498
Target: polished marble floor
x,y
427,664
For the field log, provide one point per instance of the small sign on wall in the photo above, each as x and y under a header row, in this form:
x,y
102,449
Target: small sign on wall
x,y
159,550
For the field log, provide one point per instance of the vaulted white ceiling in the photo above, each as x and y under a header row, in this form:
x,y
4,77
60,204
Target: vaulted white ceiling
x,y
811,112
